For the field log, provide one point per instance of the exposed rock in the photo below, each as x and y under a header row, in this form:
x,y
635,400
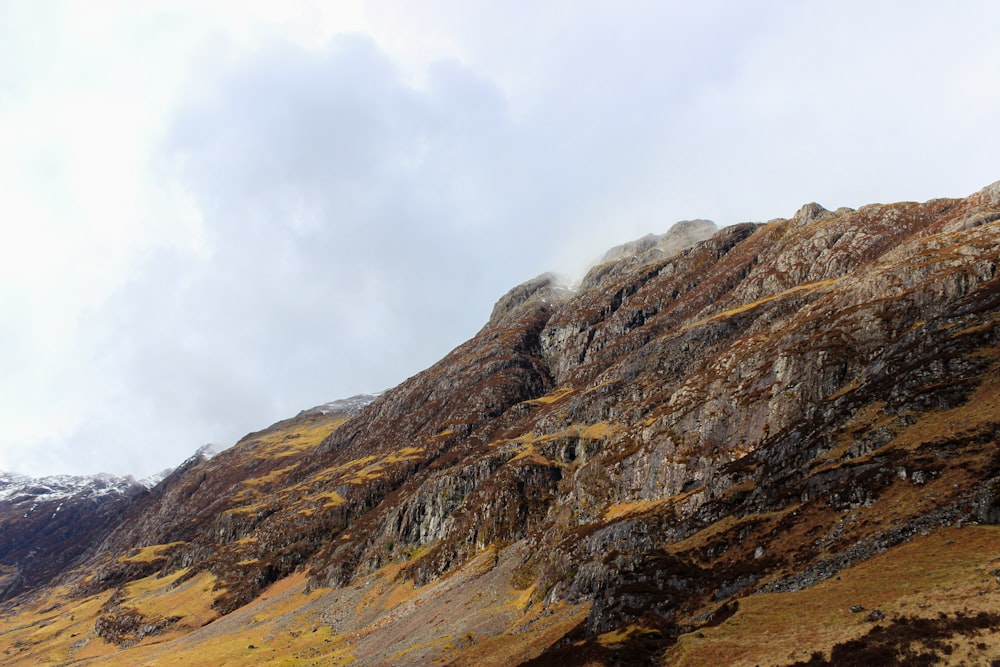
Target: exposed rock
x,y
680,236
875,615
545,288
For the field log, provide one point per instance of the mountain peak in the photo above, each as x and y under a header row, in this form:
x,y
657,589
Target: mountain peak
x,y
680,236
344,406
547,289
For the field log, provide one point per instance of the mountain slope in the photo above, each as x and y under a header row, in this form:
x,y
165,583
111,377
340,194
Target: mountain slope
x,y
48,523
626,472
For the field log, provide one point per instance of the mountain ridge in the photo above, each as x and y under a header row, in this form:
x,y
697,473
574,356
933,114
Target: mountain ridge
x,y
616,473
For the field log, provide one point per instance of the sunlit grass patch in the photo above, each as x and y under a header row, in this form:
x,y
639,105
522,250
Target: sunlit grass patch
x,y
150,554
944,573
548,399
742,308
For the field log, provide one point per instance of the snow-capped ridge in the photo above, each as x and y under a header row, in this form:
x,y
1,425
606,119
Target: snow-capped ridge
x,y
344,405
15,487
152,480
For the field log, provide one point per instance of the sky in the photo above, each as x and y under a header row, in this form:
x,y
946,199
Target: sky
x,y
216,214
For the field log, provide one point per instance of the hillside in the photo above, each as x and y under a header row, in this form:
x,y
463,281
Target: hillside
x,y
762,444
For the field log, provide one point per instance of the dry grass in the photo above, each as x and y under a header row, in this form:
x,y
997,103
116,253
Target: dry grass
x,y
295,439
529,454
151,554
982,409
191,600
272,478
944,573
405,454
58,628
44,632
527,444
619,510
275,629
622,510
390,622
624,634
807,288
549,399
596,431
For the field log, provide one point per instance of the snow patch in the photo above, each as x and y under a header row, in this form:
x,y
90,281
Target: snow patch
x,y
21,488
344,405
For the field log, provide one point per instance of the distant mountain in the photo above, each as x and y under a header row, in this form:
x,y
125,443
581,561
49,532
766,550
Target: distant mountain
x,y
16,488
769,443
48,523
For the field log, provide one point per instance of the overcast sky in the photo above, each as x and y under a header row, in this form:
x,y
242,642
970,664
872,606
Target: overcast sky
x,y
215,214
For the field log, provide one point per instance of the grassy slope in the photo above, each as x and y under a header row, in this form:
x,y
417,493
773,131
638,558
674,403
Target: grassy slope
x,y
947,572
381,620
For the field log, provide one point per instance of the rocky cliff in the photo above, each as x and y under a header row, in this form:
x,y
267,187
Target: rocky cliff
x,y
634,471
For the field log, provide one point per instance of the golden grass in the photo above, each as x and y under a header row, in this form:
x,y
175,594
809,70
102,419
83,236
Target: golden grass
x,y
982,409
272,630
622,635
284,625
945,572
528,443
403,455
530,455
351,465
805,287
272,478
551,398
705,536
444,642
296,438
44,631
620,510
596,431
58,628
330,499
252,508
366,474
151,554
190,600
537,628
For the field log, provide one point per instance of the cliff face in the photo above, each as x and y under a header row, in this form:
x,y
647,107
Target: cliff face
x,y
607,472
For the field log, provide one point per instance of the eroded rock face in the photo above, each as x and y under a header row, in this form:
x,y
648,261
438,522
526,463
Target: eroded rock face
x,y
709,411
651,247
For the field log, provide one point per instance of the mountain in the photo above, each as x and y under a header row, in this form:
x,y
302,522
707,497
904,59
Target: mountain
x,y
763,444
47,523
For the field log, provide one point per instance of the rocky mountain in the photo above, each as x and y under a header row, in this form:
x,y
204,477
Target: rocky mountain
x,y
47,523
763,444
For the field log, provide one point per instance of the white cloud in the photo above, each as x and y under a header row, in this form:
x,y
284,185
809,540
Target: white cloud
x,y
216,214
